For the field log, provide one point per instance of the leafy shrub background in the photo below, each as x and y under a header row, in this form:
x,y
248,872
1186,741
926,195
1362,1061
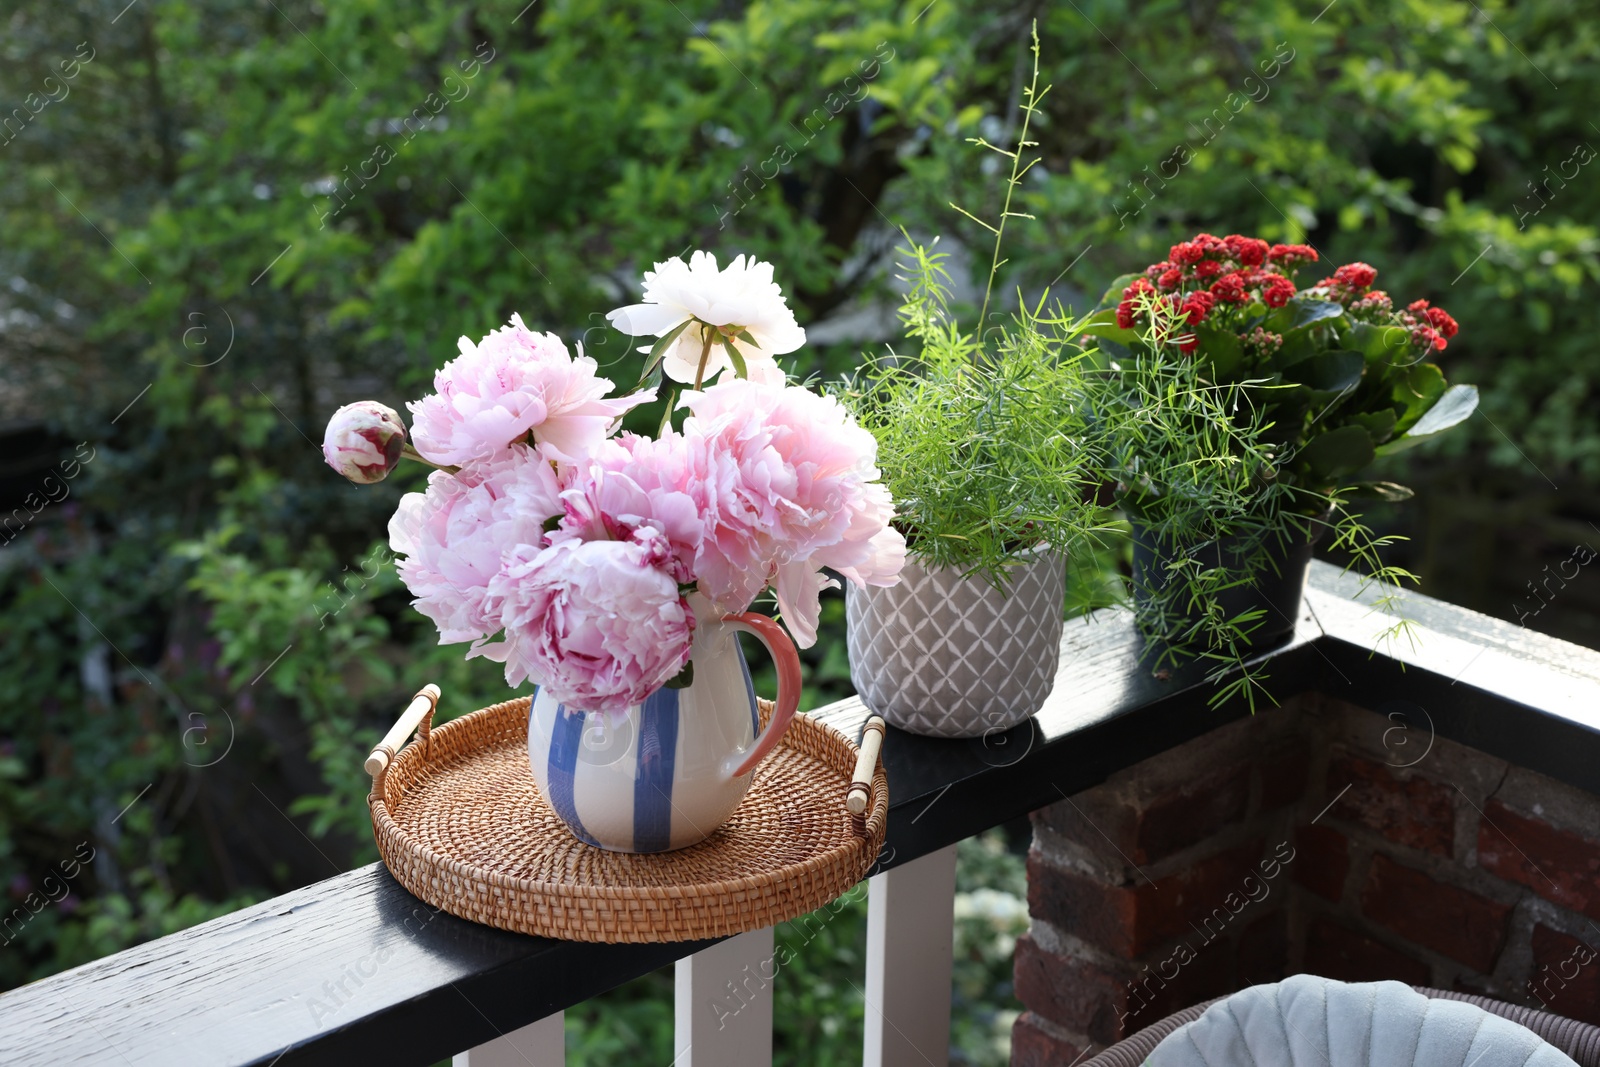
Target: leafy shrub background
x,y
199,637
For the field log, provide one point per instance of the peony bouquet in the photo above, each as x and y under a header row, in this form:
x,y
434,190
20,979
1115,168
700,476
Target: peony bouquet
x,y
583,559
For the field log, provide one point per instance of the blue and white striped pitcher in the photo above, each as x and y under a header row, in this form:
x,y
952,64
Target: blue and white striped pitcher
x,y
674,768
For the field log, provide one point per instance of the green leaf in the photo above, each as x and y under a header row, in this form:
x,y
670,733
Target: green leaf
x,y
1377,343
1331,372
666,413
739,367
1297,347
1113,293
651,380
1388,492
1380,424
1220,348
1300,316
658,351
683,679
1338,452
1417,390
1114,349
1308,312
1456,405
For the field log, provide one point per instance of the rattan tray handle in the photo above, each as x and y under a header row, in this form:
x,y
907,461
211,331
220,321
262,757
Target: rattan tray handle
x,y
419,713
859,796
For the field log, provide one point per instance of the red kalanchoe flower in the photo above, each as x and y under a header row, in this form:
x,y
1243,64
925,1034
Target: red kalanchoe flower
x,y
1188,343
1430,327
1292,255
1229,287
1250,251
1208,268
1156,270
1210,244
1197,306
1278,290
1427,337
1137,286
1441,320
1125,315
1355,275
1170,279
1186,253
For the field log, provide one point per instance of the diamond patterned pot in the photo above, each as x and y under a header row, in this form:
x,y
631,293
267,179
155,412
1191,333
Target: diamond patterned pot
x,y
947,656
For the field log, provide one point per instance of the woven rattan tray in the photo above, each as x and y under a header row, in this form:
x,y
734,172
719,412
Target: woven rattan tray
x,y
460,823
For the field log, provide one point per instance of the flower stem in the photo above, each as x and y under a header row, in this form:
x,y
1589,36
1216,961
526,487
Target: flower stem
x,y
407,452
705,355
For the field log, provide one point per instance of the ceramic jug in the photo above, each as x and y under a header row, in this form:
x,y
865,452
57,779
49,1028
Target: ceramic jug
x,y
670,771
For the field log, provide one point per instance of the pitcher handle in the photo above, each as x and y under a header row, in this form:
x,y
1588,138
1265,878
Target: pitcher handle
x,y
787,660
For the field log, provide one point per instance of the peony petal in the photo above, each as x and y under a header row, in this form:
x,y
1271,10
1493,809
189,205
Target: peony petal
x,y
683,359
637,320
798,585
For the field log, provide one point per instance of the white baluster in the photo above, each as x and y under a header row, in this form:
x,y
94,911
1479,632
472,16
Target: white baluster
x,y
723,1004
540,1044
910,913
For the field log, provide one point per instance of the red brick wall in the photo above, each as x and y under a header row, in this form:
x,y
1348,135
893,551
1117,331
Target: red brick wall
x,y
1315,837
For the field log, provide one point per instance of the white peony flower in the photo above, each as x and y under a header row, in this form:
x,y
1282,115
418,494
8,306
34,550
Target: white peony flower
x,y
704,303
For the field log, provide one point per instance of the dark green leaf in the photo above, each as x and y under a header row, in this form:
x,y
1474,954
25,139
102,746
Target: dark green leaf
x,y
1297,347
1380,424
1298,316
1338,452
1330,372
684,678
1220,348
1307,312
1115,349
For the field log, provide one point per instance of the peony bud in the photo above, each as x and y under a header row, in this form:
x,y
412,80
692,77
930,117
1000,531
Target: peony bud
x,y
364,441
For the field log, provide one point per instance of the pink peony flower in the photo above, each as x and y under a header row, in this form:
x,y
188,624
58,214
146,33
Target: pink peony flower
x,y
363,441
512,382
787,485
633,483
454,536
599,624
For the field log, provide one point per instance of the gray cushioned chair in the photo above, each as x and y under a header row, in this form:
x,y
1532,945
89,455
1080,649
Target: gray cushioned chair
x,y
1578,1041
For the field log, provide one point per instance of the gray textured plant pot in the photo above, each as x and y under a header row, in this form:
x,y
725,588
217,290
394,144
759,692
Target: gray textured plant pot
x,y
947,656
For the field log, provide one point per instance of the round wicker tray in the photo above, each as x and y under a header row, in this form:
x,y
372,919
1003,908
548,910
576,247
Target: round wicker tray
x,y
460,823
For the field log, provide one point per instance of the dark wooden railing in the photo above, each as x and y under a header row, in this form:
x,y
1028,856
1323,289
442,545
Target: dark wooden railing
x,y
355,970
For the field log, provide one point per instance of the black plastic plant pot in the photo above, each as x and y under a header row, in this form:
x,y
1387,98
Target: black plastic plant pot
x,y
1258,571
